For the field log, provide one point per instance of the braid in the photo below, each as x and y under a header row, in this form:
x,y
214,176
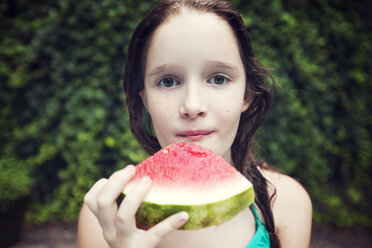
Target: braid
x,y
262,199
244,148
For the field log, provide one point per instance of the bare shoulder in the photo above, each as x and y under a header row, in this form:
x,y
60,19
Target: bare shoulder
x,y
289,191
292,210
89,230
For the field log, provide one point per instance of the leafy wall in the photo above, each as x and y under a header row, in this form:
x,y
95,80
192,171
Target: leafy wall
x,y
63,121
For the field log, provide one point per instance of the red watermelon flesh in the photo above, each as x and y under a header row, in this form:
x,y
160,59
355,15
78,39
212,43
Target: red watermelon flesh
x,y
187,177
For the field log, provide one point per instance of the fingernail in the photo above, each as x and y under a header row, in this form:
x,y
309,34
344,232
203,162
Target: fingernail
x,y
183,217
129,168
146,180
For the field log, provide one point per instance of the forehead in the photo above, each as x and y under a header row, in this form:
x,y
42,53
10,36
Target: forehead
x,y
195,19
192,34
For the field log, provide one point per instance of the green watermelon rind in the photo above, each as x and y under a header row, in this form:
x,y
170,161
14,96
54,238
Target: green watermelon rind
x,y
200,216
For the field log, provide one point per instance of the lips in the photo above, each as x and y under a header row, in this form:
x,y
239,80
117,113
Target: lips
x,y
194,135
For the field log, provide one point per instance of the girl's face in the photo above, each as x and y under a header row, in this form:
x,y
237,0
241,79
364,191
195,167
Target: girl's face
x,y
195,82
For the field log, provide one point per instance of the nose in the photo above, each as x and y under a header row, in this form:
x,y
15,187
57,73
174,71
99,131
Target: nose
x,y
193,101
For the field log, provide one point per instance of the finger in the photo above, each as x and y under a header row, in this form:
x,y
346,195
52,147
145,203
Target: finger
x,y
126,214
107,207
90,198
170,224
115,185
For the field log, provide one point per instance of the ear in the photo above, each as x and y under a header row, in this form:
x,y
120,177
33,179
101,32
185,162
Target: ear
x,y
245,105
247,101
142,94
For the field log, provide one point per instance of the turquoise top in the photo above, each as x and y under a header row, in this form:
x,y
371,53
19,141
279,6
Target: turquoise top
x,y
261,239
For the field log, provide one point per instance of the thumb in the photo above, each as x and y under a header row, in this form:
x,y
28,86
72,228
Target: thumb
x,y
168,225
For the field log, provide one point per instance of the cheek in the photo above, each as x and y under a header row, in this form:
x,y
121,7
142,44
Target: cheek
x,y
234,113
157,113
231,106
160,110
235,109
229,115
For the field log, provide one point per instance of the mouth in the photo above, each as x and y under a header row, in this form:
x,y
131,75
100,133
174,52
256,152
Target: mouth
x,y
194,135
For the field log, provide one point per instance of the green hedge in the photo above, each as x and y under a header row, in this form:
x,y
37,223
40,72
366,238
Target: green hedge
x,y
64,123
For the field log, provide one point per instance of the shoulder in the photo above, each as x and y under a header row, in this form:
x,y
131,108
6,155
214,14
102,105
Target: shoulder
x,y
289,191
89,230
292,209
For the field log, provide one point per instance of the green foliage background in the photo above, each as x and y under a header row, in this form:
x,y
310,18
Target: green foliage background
x,y
64,125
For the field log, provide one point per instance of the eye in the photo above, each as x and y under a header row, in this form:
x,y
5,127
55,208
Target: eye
x,y
167,82
218,80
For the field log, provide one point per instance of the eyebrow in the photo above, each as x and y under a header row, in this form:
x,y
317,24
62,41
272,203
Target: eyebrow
x,y
215,63
224,65
159,69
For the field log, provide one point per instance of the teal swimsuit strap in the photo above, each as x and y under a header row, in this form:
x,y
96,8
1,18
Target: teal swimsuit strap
x,y
261,239
256,215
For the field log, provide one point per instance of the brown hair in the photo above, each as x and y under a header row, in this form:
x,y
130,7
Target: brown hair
x,y
243,147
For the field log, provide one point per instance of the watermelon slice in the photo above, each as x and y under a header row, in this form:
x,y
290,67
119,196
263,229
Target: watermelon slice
x,y
187,177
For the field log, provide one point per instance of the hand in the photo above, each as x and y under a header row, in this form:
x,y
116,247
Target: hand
x,y
118,223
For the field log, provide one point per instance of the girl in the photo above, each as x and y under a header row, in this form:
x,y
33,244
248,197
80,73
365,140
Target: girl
x,y
191,68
